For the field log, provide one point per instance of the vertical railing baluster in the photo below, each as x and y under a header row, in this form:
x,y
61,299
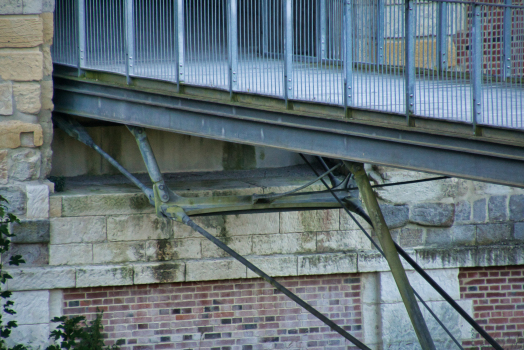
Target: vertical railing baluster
x,y
265,27
442,36
180,43
379,35
348,53
81,40
476,67
233,45
409,84
130,39
288,51
506,42
322,31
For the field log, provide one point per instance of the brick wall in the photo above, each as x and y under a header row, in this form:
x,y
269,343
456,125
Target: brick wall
x,y
498,304
228,314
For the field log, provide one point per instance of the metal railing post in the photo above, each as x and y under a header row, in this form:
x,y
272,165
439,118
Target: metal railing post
x,y
265,28
288,50
180,43
233,45
409,84
442,36
506,42
379,35
130,39
81,12
476,66
348,52
322,29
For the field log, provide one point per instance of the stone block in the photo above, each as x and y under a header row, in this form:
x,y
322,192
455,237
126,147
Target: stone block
x,y
373,261
499,256
238,225
497,208
370,293
159,272
70,254
37,201
288,243
56,299
274,266
462,212
32,6
411,237
479,211
88,229
48,60
243,245
27,97
519,231
319,264
119,252
336,241
16,199
309,221
25,164
439,236
48,5
494,233
21,31
33,254
432,214
95,276
11,131
40,278
31,308
395,215
138,227
516,207
446,258
47,24
35,336
447,279
464,234
166,250
6,98
4,174
347,223
371,325
21,64
47,94
55,206
30,231
214,269
106,204
11,7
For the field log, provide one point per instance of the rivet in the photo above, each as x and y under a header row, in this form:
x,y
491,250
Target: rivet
x,y
349,95
509,66
289,80
289,88
234,72
161,187
411,104
165,196
349,87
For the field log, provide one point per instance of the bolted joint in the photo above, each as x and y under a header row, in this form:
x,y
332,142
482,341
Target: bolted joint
x,y
355,168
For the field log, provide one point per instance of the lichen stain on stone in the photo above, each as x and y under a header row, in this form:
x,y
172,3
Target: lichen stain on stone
x,y
238,157
165,272
165,250
164,225
223,233
139,202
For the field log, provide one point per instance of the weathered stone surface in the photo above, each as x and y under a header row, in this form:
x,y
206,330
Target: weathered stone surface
x,y
516,207
33,254
166,250
479,211
47,23
21,64
16,199
21,31
237,225
39,278
214,269
327,263
117,252
31,308
499,256
106,204
6,98
37,201
34,336
48,60
347,223
336,241
32,6
439,236
25,164
46,96
497,208
94,276
309,221
373,261
274,266
411,237
4,174
56,299
87,229
27,97
159,272
11,7
288,243
10,132
494,233
464,234
48,5
138,227
70,254
462,212
446,258
243,245
519,231
55,206
395,215
432,214
30,231
371,325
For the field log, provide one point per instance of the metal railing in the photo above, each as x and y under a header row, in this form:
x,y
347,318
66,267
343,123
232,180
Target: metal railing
x,y
446,59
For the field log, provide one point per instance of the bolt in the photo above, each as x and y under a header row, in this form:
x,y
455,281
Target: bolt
x,y
234,72
349,95
161,187
180,65
478,104
349,87
234,80
289,88
165,196
181,73
411,95
289,80
509,67
411,104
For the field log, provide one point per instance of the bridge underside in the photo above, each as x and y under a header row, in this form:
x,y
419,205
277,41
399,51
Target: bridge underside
x,y
429,145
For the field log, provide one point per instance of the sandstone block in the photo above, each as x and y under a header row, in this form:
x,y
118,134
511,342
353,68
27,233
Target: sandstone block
x,y
309,221
462,212
214,269
447,258
10,133
30,231
243,245
37,201
21,65
55,206
33,254
165,250
34,336
118,252
11,7
106,204
159,272
138,227
432,214
238,225
47,94
497,208
274,266
31,308
16,199
21,31
70,254
39,278
4,174
95,276
288,243
48,60
373,261
27,97
25,164
47,23
494,233
336,241
6,98
319,264
516,207
499,256
479,211
87,229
